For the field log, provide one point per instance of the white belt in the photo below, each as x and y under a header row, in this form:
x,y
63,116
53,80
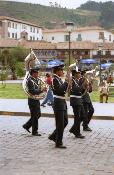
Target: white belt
x,y
60,97
75,96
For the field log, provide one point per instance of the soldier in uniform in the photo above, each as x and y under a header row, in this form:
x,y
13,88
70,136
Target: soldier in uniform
x,y
34,104
60,106
88,107
77,104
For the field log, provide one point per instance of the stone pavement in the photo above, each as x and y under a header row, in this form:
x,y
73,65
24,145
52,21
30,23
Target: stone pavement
x,y
20,107
23,154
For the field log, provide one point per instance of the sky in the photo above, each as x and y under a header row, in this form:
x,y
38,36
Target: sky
x,y
64,3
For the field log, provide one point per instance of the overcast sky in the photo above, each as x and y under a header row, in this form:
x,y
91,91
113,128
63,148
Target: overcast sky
x,y
63,3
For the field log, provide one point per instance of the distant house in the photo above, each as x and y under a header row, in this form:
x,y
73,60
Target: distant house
x,y
11,28
93,34
78,49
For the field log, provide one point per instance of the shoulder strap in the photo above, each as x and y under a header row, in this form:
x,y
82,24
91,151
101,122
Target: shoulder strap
x,y
75,82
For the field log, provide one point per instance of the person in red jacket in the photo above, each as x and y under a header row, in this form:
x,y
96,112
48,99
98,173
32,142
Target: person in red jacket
x,y
49,97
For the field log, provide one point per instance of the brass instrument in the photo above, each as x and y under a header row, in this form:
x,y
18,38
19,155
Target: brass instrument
x,y
85,83
30,62
68,75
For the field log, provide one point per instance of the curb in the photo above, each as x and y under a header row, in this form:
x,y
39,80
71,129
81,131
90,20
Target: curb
x,y
26,114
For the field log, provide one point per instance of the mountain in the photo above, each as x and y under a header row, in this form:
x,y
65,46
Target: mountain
x,y
89,14
106,9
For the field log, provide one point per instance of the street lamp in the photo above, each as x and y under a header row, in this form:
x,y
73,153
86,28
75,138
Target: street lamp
x,y
69,28
100,46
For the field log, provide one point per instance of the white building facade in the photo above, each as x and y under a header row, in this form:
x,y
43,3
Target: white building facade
x,y
16,29
93,34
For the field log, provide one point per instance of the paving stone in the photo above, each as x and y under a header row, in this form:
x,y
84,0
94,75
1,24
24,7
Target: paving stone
x,y
23,154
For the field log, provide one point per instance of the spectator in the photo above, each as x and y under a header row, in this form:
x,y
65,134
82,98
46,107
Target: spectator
x,y
104,92
110,79
49,97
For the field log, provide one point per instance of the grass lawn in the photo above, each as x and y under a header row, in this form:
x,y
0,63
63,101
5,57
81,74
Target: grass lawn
x,y
15,91
95,97
12,91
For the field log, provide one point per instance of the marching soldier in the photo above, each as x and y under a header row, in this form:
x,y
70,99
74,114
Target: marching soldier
x,y
34,104
76,103
60,106
88,107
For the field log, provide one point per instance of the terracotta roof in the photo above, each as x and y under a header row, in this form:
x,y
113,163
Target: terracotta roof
x,y
55,30
76,45
8,43
75,29
84,45
37,44
88,28
18,20
109,46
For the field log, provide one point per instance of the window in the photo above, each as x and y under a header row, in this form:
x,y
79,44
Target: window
x,y
108,52
8,34
110,38
30,29
37,38
79,37
86,52
24,26
52,37
15,26
9,24
13,35
12,25
101,35
34,30
30,37
33,38
66,37
37,30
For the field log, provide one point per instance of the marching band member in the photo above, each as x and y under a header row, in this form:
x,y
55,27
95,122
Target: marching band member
x,y
60,106
76,103
88,107
34,104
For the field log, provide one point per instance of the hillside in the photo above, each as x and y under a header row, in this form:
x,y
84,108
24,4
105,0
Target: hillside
x,y
48,17
106,9
89,14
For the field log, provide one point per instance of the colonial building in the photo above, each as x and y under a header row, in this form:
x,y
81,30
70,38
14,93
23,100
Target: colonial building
x,y
93,34
16,29
78,49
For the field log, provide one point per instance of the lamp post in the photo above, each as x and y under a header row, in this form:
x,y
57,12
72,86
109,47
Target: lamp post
x,y
100,46
69,28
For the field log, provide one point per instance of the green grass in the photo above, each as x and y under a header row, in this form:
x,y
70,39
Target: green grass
x,y
95,97
15,91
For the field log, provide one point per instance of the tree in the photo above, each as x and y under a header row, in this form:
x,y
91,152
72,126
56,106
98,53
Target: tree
x,y
10,59
4,56
16,55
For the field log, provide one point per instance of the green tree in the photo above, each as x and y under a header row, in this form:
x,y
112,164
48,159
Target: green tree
x,y
11,60
16,55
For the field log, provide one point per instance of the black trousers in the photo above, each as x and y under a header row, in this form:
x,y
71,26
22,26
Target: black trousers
x,y
34,106
61,120
75,129
89,110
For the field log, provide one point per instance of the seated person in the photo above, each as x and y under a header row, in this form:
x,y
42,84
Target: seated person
x,y
110,79
104,92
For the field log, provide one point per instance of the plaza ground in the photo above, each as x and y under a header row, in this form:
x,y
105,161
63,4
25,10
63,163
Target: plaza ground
x,y
23,154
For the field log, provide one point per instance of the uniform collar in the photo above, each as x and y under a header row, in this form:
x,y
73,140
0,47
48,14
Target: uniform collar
x,y
57,76
33,78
